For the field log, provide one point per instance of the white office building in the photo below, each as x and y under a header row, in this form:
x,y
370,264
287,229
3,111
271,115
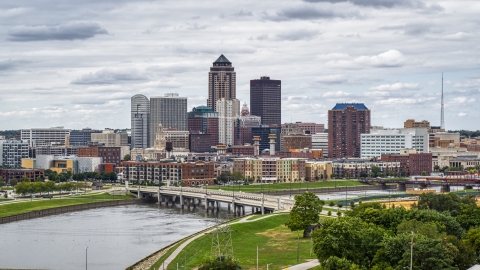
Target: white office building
x,y
228,111
44,136
320,141
390,141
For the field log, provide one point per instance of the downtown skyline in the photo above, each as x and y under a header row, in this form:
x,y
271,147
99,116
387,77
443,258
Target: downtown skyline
x,y
78,65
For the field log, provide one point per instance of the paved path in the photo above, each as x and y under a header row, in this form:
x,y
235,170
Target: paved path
x,y
303,266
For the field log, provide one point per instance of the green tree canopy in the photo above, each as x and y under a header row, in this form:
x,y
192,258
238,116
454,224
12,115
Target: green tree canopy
x,y
220,264
305,212
349,238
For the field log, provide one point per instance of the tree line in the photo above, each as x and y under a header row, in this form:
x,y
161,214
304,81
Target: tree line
x,y
67,175
27,187
443,230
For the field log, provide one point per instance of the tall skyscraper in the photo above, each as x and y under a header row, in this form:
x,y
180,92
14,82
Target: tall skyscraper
x,y
170,111
140,112
228,110
346,122
266,100
221,82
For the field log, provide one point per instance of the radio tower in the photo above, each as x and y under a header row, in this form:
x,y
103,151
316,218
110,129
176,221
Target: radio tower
x,y
442,116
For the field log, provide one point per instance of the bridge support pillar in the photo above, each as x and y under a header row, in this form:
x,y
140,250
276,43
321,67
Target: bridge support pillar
x,y
445,188
468,187
218,205
401,187
233,208
206,203
181,199
228,207
159,198
263,209
384,186
138,192
243,210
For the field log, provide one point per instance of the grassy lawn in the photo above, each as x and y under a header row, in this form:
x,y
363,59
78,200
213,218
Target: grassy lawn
x,y
6,188
277,246
286,186
27,206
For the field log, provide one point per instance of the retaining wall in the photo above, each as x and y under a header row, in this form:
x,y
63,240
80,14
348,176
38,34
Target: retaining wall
x,y
64,209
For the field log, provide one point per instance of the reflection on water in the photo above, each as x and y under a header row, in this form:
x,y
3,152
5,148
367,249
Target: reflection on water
x,y
116,237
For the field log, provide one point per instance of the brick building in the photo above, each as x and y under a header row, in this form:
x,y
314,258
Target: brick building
x,y
108,154
291,142
243,150
346,122
198,173
200,143
31,174
411,164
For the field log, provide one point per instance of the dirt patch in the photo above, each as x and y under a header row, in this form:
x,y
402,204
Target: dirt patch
x,y
406,204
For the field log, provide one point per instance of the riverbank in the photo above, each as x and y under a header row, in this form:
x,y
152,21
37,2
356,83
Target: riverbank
x,y
277,246
18,210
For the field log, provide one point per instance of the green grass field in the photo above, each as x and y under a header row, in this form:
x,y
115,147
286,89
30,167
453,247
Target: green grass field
x,y
277,246
286,186
27,206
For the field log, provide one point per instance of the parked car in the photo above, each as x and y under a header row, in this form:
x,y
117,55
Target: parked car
x,y
47,196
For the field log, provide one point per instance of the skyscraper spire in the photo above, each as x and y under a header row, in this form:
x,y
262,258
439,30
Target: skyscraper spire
x,y
442,116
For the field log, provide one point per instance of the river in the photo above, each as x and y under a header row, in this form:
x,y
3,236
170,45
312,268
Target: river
x,y
103,238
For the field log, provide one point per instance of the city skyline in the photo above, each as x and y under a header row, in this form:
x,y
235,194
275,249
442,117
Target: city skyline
x,y
80,69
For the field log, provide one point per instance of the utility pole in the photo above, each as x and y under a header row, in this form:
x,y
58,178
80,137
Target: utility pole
x,y
86,258
257,257
411,252
298,247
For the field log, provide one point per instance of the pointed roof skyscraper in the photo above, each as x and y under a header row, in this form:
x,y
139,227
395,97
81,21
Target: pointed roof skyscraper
x,y
221,81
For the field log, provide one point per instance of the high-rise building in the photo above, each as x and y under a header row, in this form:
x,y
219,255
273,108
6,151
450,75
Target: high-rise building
x,y
12,152
243,128
346,122
221,82
82,137
228,110
140,113
110,138
309,127
45,136
263,132
203,120
266,100
170,111
390,141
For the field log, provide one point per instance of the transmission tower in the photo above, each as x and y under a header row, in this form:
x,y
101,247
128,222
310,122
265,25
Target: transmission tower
x,y
222,241
442,116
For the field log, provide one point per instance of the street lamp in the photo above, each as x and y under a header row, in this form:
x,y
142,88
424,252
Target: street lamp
x,y
86,258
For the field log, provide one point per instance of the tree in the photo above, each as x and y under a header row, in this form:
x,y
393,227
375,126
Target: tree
x,y
375,171
305,212
237,175
436,168
424,173
349,238
127,157
335,263
220,263
49,186
13,182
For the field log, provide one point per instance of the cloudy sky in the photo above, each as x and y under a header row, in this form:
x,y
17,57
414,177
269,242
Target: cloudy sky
x,y
77,63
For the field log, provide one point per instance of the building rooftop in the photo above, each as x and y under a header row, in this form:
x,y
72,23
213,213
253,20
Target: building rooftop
x,y
343,106
222,59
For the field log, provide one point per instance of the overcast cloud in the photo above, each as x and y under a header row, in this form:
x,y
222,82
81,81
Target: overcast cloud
x,y
77,63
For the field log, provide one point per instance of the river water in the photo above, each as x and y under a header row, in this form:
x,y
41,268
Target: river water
x,y
116,237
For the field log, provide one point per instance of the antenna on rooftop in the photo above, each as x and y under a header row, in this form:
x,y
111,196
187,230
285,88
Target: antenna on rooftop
x,y
442,116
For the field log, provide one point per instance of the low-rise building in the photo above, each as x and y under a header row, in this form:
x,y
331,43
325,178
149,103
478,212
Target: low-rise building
x,y
391,141
358,168
108,154
271,170
31,174
110,139
318,170
411,162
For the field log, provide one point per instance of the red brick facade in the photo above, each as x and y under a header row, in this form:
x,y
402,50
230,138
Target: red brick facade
x,y
108,154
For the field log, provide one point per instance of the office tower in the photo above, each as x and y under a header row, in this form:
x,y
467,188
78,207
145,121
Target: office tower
x,y
170,111
45,136
203,120
221,82
390,141
346,122
266,100
109,138
263,132
82,137
140,113
12,152
228,110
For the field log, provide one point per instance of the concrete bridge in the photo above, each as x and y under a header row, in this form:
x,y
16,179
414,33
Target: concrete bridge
x,y
423,184
211,199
